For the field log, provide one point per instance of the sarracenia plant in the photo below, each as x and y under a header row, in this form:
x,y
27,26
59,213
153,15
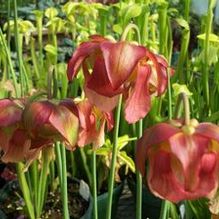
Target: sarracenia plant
x,y
185,151
120,70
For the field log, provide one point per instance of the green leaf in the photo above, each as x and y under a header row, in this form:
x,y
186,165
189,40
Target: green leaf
x,y
68,8
180,88
173,211
123,141
38,13
51,49
214,117
51,13
183,23
212,4
117,28
212,37
103,151
131,11
199,209
213,54
127,160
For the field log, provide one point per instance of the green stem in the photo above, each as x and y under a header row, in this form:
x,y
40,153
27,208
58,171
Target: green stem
x,y
187,10
170,111
42,183
8,55
139,180
73,163
103,22
183,55
165,206
178,108
25,190
58,161
145,27
87,170
208,28
39,21
64,185
35,180
163,28
94,184
19,54
52,174
34,59
50,75
8,32
164,210
128,28
113,161
163,38
186,108
138,175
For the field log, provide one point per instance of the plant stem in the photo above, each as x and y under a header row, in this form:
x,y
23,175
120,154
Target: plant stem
x,y
164,210
187,10
113,161
39,21
59,161
73,163
208,28
178,108
139,180
140,128
34,59
52,175
64,184
8,55
183,54
35,180
87,170
17,41
170,111
94,184
128,28
165,205
186,108
25,190
8,32
163,28
42,182
163,38
145,27
103,21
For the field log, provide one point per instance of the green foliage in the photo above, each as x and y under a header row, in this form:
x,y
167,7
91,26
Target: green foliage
x,y
123,158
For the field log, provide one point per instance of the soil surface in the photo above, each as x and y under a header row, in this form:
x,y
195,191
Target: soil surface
x,y
12,205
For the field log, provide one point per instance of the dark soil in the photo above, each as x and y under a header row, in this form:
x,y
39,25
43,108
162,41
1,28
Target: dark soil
x,y
77,205
12,205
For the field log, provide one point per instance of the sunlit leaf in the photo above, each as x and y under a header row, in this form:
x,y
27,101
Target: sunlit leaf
x,y
103,151
123,141
180,88
131,11
212,37
127,160
117,28
51,13
51,49
183,23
